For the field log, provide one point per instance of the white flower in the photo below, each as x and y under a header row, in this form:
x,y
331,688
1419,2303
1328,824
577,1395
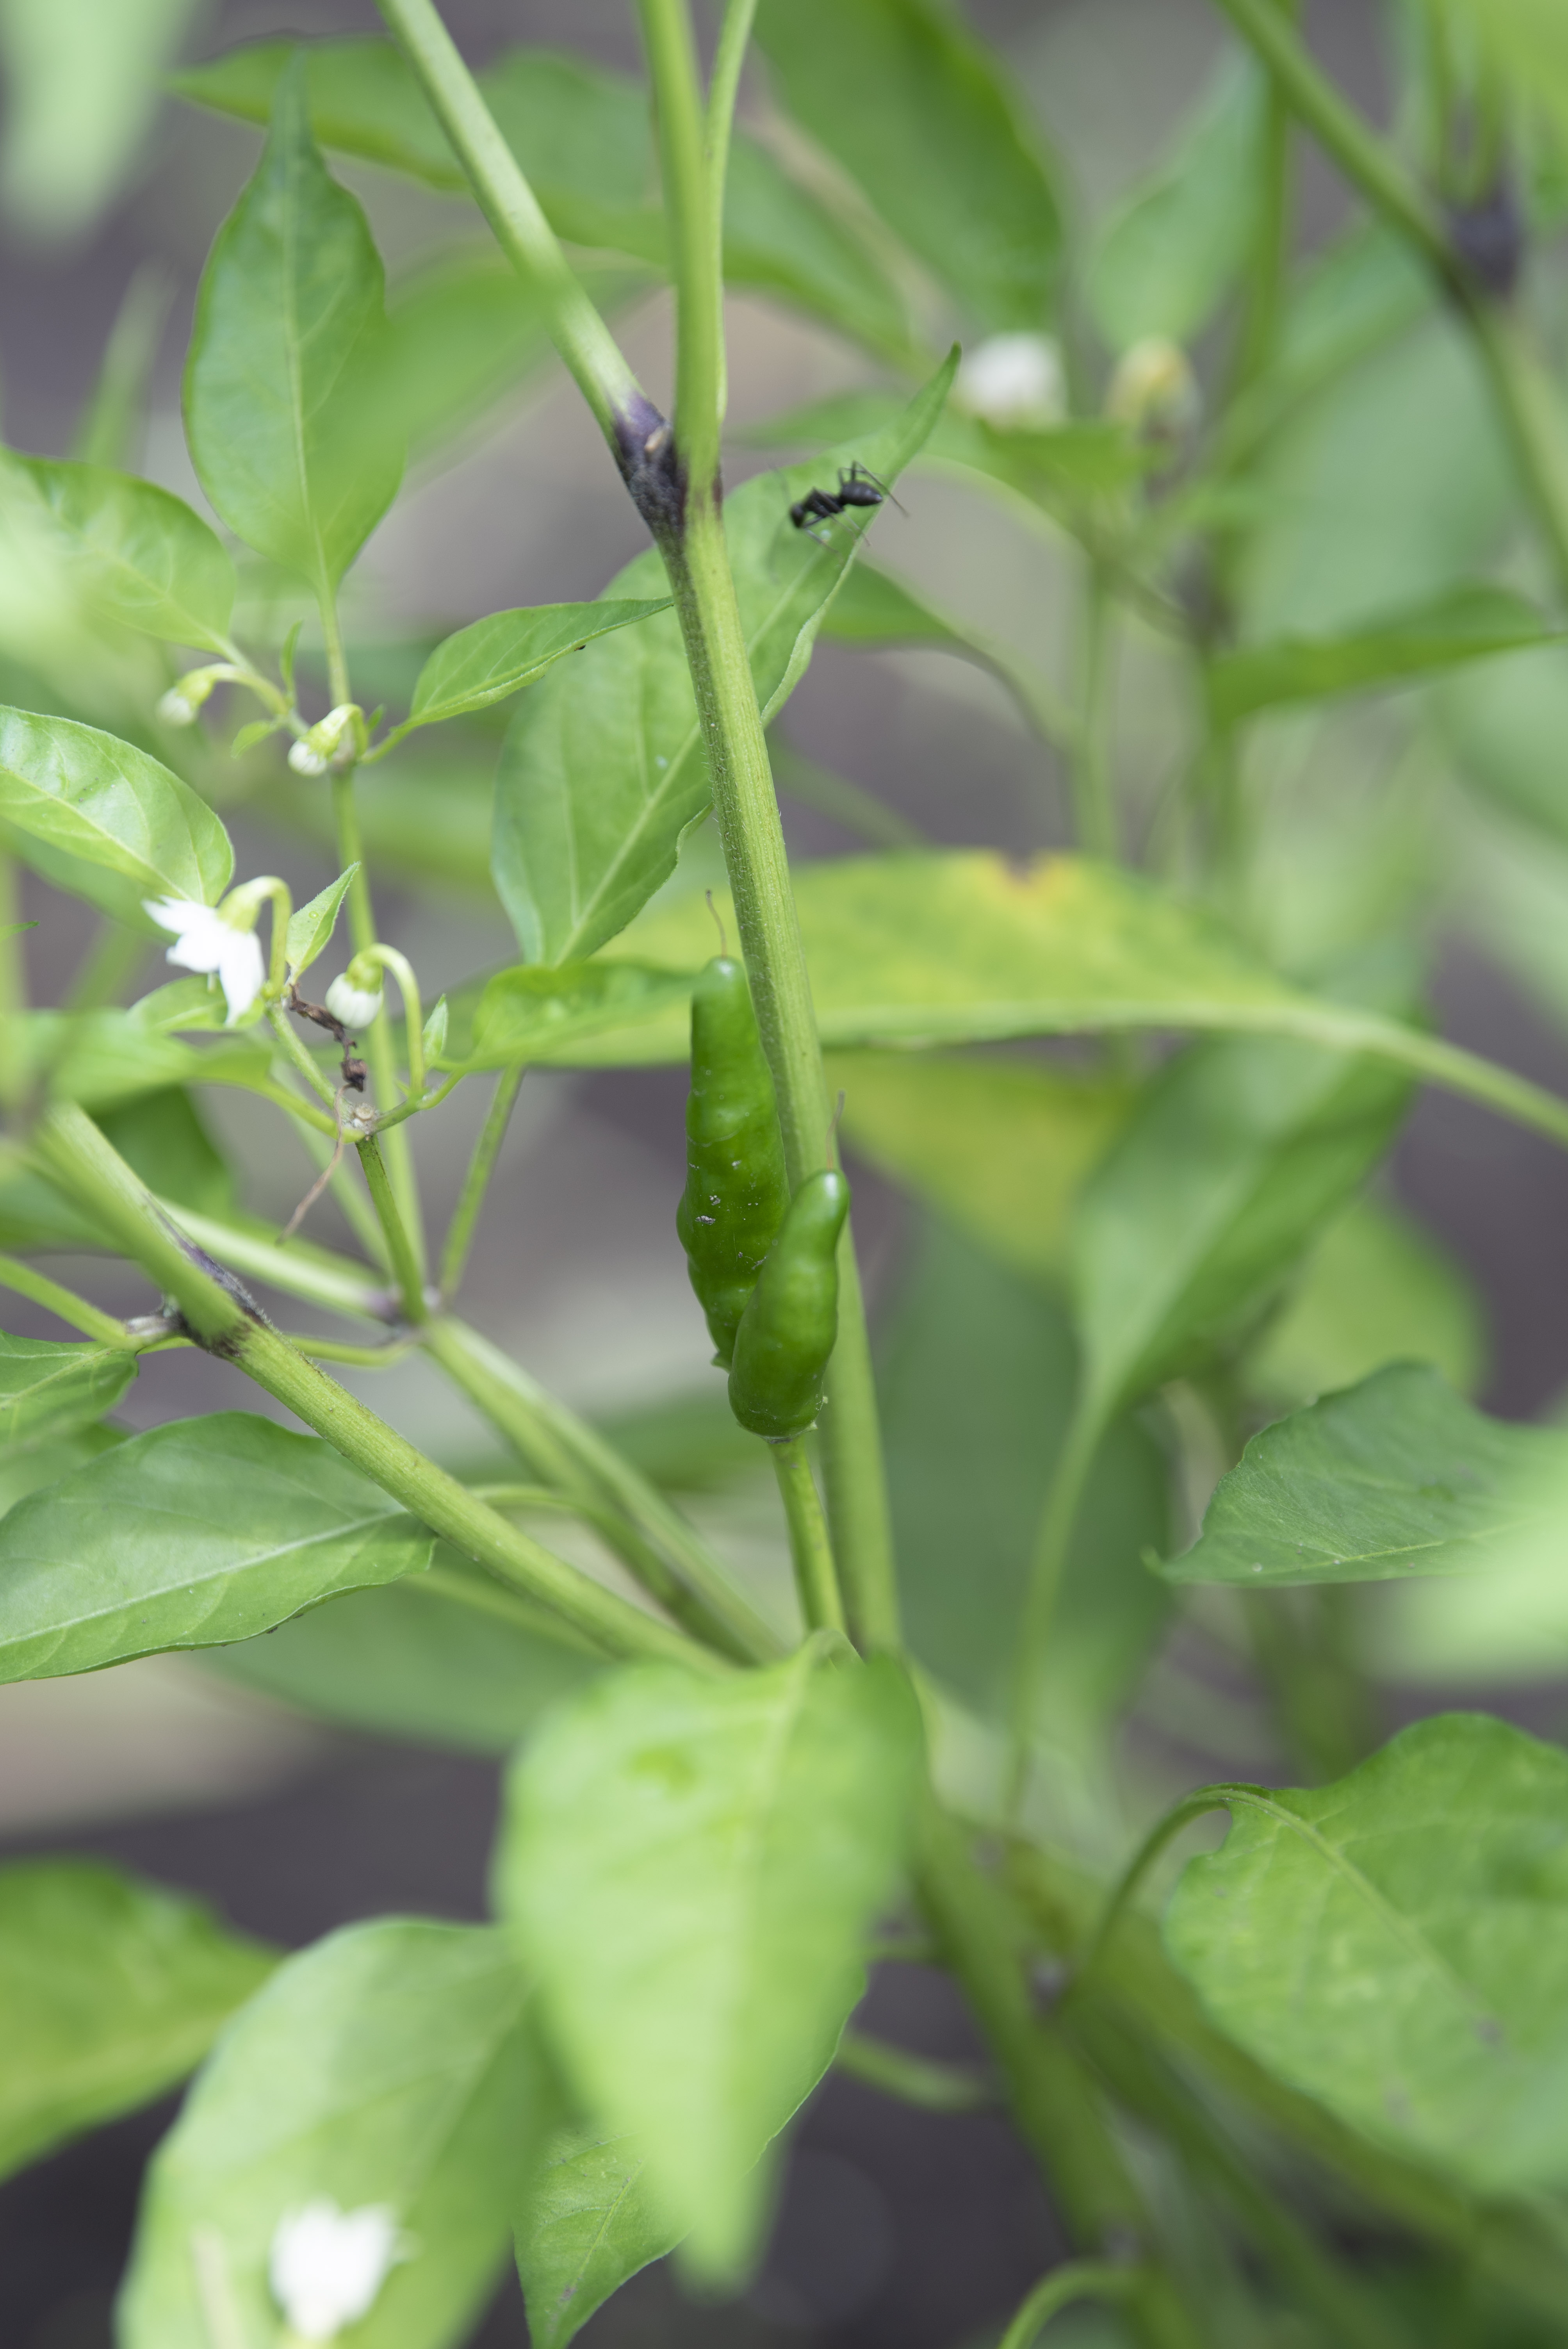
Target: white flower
x,y
1153,389
1014,381
357,1006
328,2265
205,941
178,708
314,751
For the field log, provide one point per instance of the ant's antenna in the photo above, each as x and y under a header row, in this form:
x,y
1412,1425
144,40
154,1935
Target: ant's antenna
x,y
717,923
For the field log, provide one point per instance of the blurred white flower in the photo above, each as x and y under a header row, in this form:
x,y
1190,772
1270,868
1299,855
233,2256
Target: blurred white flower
x,y
314,751
328,2265
205,941
178,708
1014,381
357,1006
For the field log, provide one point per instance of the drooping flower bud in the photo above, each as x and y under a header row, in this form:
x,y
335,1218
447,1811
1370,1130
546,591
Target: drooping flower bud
x,y
182,704
355,996
1154,390
315,752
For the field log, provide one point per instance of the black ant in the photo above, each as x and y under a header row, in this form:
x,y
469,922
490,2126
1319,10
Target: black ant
x,y
856,488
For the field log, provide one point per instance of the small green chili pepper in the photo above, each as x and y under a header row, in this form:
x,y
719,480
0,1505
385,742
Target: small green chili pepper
x,y
736,1190
788,1330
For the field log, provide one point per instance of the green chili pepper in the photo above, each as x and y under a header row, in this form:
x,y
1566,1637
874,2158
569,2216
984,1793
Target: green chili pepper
x,y
737,1191
787,1331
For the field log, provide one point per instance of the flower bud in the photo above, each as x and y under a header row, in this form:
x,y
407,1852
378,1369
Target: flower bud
x,y
357,1007
1154,390
1014,381
314,751
181,705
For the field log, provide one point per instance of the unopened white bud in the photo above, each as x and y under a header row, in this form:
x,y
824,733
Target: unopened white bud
x,y
1014,381
182,703
357,1006
314,751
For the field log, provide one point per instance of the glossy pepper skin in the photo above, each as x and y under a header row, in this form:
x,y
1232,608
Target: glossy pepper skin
x,y
787,1331
735,1190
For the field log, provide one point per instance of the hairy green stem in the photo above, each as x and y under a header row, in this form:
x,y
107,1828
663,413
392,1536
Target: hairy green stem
x,y
315,1275
77,1157
1079,2280
1051,2098
1520,387
379,1038
476,1182
564,1451
406,1271
64,1303
1047,1566
811,1550
915,2080
508,203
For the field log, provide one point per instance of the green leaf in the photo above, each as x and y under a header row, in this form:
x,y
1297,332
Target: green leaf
x,y
195,1534
407,1661
1174,246
976,1386
83,84
22,1472
500,655
581,134
588,2227
110,1058
1000,1147
1466,624
920,115
138,554
112,1989
1239,1154
72,787
692,1867
310,929
1394,1477
288,337
393,2065
604,767
1504,723
1423,1905
1527,42
48,1389
161,1137
1376,1289
530,1013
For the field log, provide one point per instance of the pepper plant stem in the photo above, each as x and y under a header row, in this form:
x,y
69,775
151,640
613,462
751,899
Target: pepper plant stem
x,y
74,1310
1079,2280
476,1182
79,1159
746,806
379,1038
810,1551
1519,382
1052,2099
405,1266
1047,1566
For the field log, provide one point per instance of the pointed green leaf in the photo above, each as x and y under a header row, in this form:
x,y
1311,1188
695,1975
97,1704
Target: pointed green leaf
x,y
1394,1477
500,655
587,2228
409,1662
139,554
1000,1147
279,387
604,769
22,1472
531,1013
392,2066
691,1867
200,1532
1376,1289
310,930
1240,1154
581,133
1173,247
1395,1946
1467,623
112,1989
72,787
48,1391
977,1383
921,116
